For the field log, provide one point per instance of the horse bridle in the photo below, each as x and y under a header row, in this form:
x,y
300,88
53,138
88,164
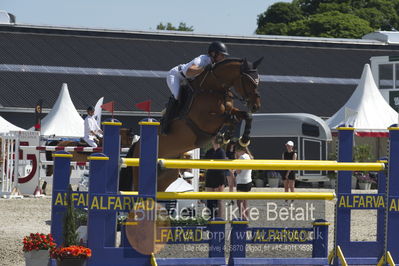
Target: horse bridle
x,y
235,96
254,81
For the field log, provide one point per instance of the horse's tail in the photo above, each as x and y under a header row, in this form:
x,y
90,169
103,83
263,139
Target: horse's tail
x,y
49,157
126,174
49,154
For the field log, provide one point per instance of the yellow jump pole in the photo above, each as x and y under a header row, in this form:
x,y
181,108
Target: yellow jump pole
x,y
264,165
241,195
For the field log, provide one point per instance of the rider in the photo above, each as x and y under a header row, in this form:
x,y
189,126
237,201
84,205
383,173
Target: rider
x,y
216,53
91,129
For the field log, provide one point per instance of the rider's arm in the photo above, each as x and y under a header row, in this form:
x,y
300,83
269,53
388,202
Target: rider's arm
x,y
194,71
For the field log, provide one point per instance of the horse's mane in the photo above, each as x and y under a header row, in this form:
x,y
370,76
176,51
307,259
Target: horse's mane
x,y
227,61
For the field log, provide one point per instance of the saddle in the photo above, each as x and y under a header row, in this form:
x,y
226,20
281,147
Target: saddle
x,y
177,109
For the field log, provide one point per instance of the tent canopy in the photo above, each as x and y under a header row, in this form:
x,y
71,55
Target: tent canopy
x,y
6,126
366,110
63,120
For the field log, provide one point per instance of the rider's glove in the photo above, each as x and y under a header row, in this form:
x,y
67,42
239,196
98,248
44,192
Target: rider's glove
x,y
208,67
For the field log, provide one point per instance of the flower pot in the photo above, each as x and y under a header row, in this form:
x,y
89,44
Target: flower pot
x,y
259,182
354,182
273,182
71,262
37,258
365,186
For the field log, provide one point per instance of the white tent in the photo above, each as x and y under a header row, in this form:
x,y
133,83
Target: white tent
x,y
63,120
366,110
6,126
98,111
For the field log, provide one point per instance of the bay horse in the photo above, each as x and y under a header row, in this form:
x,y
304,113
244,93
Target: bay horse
x,y
211,108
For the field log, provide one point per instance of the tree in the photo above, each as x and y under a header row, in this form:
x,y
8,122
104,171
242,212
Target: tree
x,y
280,13
273,29
329,18
374,16
70,234
331,25
182,27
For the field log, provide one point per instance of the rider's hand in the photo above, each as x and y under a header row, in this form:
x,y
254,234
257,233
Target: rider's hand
x,y
208,67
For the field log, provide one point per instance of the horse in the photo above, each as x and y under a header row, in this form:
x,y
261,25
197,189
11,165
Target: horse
x,y
211,108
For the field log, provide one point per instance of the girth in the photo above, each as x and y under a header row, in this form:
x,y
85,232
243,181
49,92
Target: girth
x,y
202,136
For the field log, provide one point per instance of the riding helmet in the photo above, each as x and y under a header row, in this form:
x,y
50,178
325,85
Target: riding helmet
x,y
90,108
218,47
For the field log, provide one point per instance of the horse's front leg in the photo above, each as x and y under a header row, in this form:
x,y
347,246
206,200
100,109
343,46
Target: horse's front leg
x,y
242,115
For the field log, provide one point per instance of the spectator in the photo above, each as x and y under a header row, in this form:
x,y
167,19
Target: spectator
x,y
215,179
289,175
231,179
243,179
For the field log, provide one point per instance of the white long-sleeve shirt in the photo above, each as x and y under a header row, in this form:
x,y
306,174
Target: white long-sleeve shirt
x,y
90,124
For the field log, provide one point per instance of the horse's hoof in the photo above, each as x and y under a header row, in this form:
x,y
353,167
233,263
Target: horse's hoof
x,y
244,144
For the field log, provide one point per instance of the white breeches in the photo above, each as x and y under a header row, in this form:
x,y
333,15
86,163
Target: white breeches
x,y
91,142
173,79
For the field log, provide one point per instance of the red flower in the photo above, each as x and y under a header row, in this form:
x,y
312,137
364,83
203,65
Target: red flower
x,y
70,252
38,241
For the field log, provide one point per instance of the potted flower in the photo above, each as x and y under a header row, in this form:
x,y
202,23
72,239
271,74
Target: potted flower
x,y
257,177
81,224
362,153
273,178
70,253
364,180
36,249
71,256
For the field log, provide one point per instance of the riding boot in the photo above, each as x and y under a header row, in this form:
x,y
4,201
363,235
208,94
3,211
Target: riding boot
x,y
170,113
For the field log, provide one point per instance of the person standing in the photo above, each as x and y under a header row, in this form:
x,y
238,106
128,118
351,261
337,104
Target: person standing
x,y
215,179
243,179
231,179
91,129
289,175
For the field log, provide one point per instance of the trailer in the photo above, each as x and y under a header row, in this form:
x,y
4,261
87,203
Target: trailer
x,y
309,133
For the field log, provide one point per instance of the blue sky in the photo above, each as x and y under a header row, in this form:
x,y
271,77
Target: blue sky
x,y
230,17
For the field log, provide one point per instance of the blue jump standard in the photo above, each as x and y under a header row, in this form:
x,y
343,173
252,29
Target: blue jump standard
x,y
103,202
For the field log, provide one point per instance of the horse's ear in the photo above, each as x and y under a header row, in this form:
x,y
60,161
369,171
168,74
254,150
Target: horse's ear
x,y
257,63
245,64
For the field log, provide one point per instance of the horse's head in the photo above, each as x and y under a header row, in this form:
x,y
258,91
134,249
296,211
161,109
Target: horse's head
x,y
248,84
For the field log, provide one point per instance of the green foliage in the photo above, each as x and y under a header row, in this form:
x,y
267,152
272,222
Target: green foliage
x,y
332,175
334,24
332,156
329,18
328,7
273,29
80,217
70,234
363,153
280,13
258,174
182,27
